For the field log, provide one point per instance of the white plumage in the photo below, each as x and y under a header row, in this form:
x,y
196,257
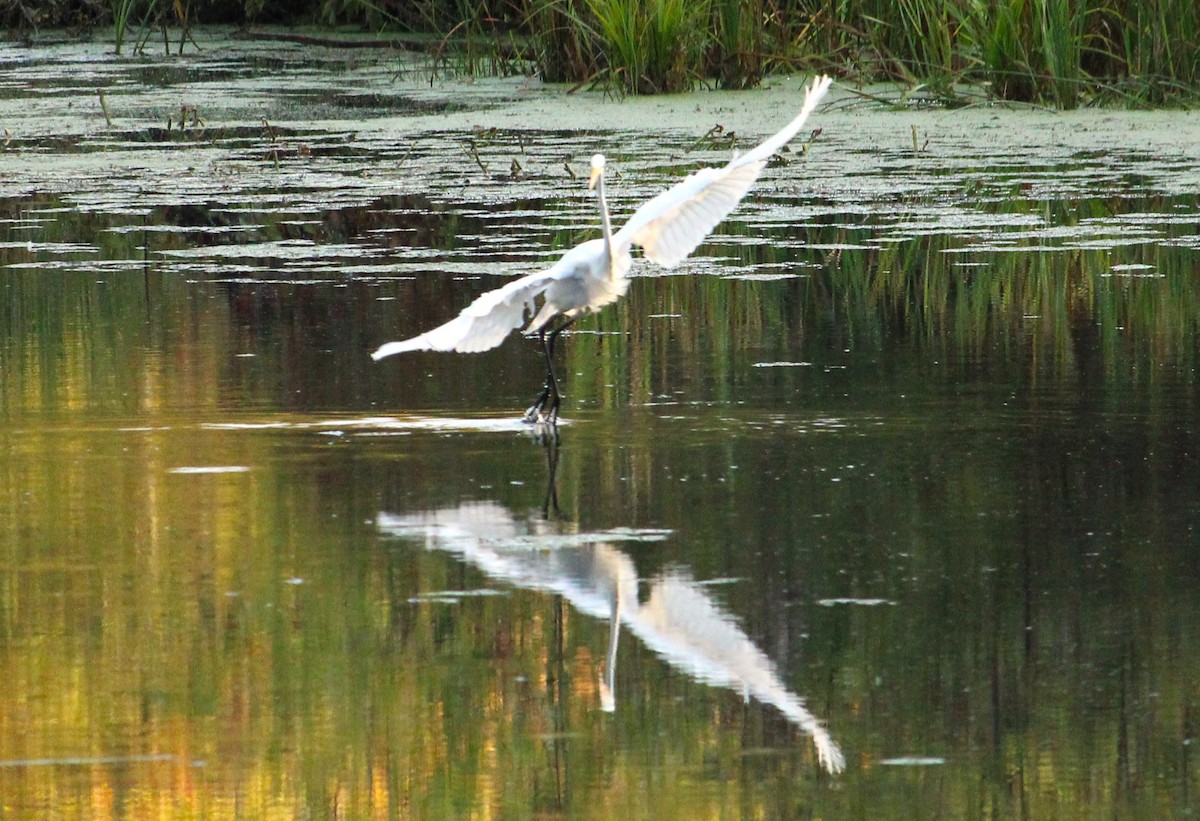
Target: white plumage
x,y
592,274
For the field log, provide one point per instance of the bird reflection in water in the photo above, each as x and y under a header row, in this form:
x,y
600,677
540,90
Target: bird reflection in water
x,y
678,619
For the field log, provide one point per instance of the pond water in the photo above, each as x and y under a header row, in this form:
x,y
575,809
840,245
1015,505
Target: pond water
x,y
897,476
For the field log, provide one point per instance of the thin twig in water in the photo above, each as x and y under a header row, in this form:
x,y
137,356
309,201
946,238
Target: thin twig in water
x,y
812,138
271,136
441,50
104,107
918,146
473,153
708,135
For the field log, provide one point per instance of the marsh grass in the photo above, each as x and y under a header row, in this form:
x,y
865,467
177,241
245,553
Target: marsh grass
x,y
1158,44
122,15
566,43
654,45
1063,53
737,56
1057,52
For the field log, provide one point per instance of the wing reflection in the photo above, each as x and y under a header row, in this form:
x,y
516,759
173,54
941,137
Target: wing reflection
x,y
679,620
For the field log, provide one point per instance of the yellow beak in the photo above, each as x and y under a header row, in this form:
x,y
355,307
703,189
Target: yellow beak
x,y
595,178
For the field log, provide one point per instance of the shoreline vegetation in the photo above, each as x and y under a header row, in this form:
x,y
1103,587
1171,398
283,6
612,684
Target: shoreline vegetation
x,y
1058,53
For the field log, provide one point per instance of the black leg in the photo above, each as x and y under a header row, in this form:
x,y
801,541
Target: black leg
x,y
551,378
550,505
550,394
539,404
555,396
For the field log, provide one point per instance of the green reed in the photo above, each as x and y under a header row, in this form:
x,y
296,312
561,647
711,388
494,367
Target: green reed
x,y
1059,52
652,46
737,55
566,43
122,14
1056,52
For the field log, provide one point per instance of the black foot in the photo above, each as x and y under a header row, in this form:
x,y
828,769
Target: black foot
x,y
535,412
544,410
539,415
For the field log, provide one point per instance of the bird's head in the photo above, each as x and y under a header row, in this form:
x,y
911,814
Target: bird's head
x,y
597,170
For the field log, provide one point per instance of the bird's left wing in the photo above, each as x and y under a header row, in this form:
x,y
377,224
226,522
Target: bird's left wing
x,y
483,324
670,226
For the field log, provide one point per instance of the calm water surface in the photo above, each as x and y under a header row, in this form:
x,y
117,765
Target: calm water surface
x,y
899,474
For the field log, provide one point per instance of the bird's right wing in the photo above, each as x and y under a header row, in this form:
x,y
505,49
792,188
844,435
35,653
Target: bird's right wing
x,y
670,226
483,324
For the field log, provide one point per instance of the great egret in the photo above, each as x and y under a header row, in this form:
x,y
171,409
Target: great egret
x,y
592,274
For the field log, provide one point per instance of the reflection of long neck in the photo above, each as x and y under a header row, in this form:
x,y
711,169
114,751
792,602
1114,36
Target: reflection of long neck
x,y
608,683
605,222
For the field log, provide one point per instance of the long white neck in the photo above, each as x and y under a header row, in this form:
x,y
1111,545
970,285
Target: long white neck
x,y
608,681
605,222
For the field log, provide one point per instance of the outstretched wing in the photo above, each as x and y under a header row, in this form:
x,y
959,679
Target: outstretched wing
x,y
483,324
670,226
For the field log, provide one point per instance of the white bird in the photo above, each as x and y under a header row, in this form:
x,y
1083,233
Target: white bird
x,y
592,274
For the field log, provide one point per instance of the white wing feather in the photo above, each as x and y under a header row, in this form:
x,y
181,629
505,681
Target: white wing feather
x,y
483,324
670,226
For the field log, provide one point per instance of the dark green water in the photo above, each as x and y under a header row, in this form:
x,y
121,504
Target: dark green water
x,y
905,457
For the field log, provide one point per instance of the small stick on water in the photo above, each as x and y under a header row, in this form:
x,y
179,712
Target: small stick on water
x,y
270,132
812,138
187,111
708,135
918,146
104,107
473,152
780,160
